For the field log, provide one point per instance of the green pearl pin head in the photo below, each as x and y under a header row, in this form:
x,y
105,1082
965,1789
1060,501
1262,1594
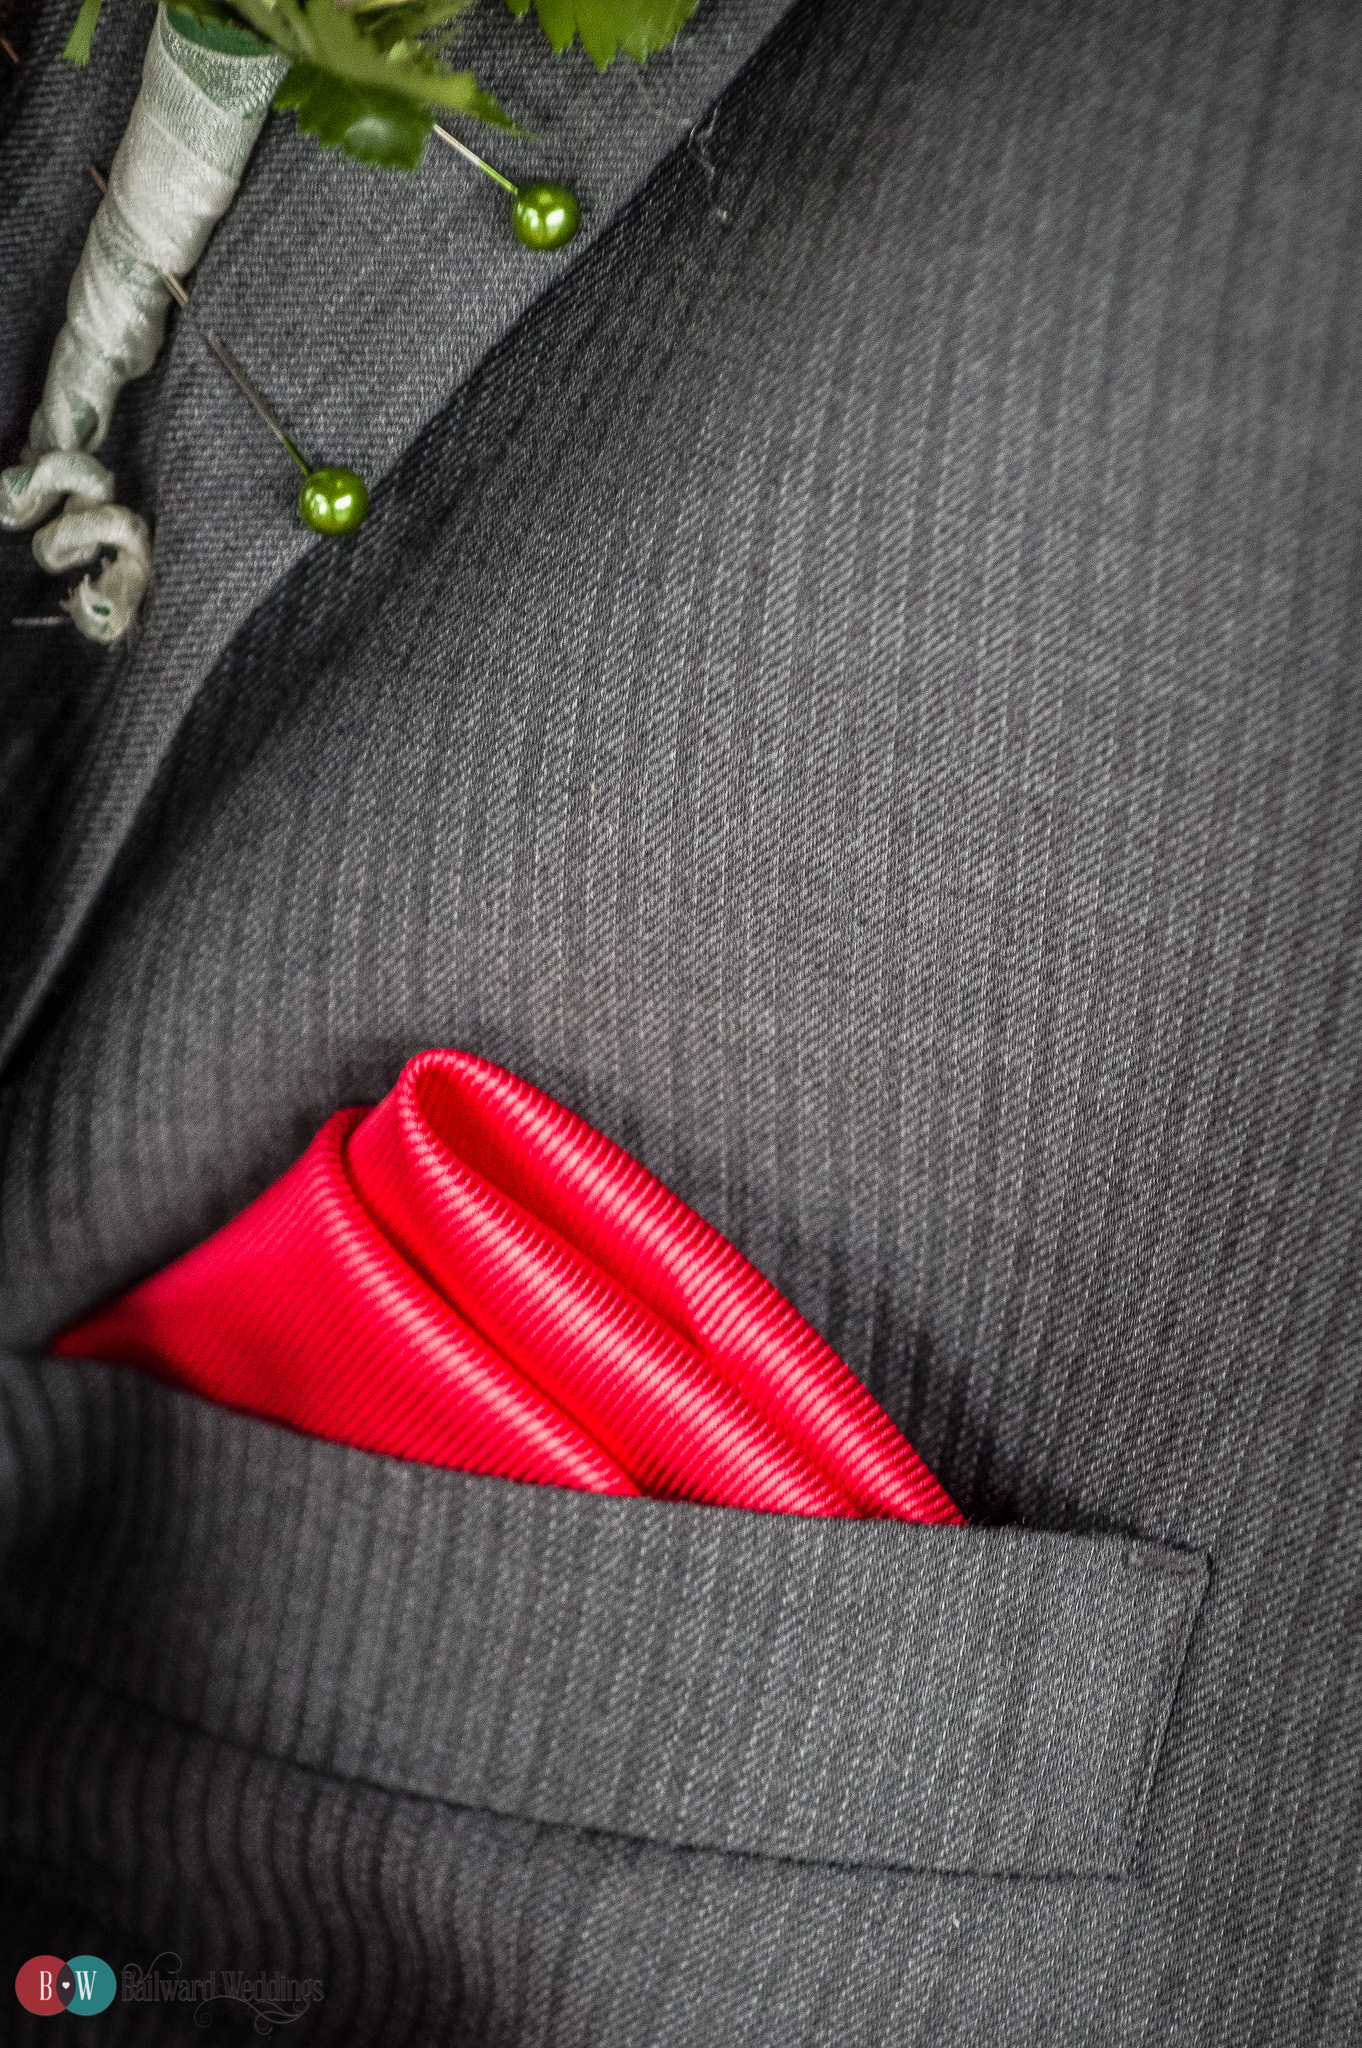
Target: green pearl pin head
x,y
545,216
333,501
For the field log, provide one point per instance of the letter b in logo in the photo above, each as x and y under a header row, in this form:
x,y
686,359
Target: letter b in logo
x,y
46,1985
35,1987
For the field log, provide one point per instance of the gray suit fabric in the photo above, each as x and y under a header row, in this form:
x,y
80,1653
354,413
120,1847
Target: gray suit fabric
x,y
854,687
852,1693
410,281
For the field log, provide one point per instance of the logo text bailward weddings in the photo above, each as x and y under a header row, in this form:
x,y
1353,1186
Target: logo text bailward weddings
x,y
273,1997
46,1985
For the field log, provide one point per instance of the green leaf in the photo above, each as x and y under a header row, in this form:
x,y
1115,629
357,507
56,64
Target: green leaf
x,y
378,127
387,23
417,15
78,43
317,33
638,27
558,19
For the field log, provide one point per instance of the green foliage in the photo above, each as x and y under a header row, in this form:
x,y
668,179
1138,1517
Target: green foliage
x,y
638,27
317,32
361,81
375,126
390,22
78,43
365,75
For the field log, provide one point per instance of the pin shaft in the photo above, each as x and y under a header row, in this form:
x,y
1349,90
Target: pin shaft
x,y
473,158
229,362
255,398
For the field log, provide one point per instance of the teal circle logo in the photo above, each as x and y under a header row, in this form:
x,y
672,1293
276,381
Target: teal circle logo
x,y
96,1984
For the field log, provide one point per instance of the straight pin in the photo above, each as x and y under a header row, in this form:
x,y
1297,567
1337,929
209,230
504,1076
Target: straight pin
x,y
544,215
471,156
332,500
254,396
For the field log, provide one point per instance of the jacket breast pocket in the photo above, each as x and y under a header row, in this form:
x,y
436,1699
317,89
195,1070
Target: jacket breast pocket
x,y
859,1693
865,1693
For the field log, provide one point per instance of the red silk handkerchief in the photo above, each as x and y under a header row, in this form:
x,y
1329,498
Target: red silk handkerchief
x,y
470,1276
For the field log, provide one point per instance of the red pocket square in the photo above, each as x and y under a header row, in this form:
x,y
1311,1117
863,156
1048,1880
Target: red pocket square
x,y
470,1276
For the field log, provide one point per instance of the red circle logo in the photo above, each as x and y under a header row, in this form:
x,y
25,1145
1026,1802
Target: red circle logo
x,y
39,1986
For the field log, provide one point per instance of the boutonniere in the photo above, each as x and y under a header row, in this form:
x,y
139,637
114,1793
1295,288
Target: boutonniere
x,y
371,78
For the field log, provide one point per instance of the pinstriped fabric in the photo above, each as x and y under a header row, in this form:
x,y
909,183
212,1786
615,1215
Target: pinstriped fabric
x,y
871,721
434,244
895,1695
358,1892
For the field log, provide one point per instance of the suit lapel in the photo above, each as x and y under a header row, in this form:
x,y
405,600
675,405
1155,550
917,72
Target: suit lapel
x,y
360,301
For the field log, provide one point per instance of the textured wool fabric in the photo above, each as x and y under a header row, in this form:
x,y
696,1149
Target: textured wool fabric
x,y
413,277
469,1275
856,695
879,1693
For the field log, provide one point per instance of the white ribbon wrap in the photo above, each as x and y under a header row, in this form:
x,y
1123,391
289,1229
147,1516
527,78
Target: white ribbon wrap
x,y
192,128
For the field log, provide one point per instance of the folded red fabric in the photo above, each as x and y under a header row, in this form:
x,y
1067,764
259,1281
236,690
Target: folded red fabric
x,y
471,1276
